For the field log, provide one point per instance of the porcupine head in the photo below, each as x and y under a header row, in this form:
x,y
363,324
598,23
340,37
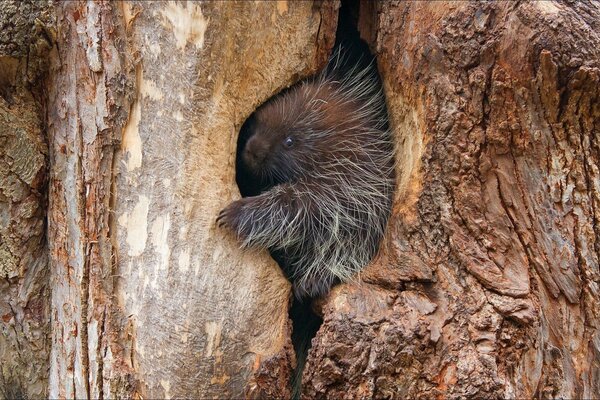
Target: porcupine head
x,y
321,157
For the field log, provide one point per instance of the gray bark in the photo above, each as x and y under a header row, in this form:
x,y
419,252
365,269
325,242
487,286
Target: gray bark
x,y
145,100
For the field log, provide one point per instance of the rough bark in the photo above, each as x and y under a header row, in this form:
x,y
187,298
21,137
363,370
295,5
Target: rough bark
x,y
24,298
487,284
88,98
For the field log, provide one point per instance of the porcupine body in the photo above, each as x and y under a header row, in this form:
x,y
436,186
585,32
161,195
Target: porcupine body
x,y
322,157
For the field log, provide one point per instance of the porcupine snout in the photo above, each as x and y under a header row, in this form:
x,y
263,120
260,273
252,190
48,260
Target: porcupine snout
x,y
255,153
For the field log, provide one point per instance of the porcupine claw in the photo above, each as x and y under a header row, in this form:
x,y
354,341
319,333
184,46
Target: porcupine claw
x,y
229,215
222,218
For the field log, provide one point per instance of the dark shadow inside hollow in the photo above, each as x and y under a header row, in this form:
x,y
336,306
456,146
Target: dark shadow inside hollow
x,y
355,51
306,324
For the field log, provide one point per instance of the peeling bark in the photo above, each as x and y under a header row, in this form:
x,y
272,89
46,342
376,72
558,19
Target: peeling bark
x,y
88,102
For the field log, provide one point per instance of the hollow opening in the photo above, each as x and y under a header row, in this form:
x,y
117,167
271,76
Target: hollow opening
x,y
305,322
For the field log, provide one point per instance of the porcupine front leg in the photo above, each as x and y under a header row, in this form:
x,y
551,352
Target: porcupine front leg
x,y
269,220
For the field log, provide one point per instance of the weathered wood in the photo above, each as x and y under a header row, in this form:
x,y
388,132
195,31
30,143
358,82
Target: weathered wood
x,y
87,106
146,99
495,108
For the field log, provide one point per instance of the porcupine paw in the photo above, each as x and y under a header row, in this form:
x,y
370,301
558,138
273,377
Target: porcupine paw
x,y
230,217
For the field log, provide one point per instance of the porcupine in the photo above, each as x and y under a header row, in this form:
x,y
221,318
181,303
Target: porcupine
x,y
322,154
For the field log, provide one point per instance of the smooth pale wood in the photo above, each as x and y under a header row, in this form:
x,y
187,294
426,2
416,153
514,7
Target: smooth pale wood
x,y
149,298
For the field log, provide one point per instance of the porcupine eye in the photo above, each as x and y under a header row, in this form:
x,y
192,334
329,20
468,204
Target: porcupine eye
x,y
288,142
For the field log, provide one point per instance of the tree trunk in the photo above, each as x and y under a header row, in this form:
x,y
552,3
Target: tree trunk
x,y
486,283
146,99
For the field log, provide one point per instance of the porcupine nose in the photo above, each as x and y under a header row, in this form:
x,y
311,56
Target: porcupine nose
x,y
255,152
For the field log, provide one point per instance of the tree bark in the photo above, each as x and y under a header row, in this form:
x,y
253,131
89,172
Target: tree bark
x,y
487,285
486,282
25,40
149,299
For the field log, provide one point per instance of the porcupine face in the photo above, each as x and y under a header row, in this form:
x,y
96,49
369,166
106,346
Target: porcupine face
x,y
279,148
